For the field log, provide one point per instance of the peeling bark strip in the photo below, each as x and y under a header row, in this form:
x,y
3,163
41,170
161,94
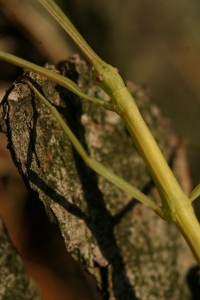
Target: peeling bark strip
x,y
130,251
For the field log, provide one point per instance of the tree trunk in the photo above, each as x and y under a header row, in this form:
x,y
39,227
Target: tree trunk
x,y
130,251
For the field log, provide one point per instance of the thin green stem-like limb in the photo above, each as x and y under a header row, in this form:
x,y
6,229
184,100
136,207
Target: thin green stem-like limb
x,y
62,19
98,64
195,193
93,164
61,80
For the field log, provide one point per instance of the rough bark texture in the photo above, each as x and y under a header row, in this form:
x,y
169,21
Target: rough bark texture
x,y
131,252
14,283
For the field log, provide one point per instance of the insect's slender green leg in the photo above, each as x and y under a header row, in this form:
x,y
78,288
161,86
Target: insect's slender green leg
x,y
93,164
195,193
65,82
62,19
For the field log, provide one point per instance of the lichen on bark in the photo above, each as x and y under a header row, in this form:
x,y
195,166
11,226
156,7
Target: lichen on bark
x,y
130,251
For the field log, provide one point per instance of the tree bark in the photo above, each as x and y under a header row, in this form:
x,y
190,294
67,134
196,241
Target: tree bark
x,y
130,251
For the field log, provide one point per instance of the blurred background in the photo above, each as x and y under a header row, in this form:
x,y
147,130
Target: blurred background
x,y
155,43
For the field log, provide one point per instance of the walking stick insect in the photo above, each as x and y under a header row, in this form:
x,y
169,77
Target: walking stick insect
x,y
176,206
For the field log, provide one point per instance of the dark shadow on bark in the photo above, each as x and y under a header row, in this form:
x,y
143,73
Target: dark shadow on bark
x,y
100,224
193,280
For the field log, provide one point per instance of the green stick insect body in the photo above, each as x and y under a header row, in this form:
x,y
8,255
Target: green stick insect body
x,y
176,206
